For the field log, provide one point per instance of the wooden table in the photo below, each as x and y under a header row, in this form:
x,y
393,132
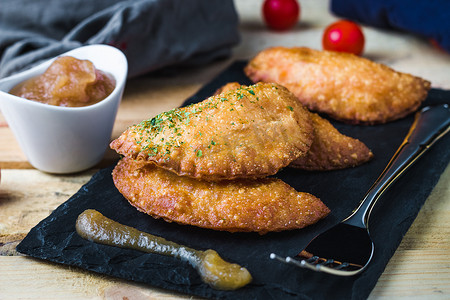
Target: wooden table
x,y
420,267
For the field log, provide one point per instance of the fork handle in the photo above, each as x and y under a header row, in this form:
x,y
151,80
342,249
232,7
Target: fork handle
x,y
430,124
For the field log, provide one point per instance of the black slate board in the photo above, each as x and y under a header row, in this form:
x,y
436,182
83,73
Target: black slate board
x,y
55,239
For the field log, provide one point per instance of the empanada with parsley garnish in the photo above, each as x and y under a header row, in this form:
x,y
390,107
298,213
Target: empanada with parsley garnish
x,y
249,132
243,205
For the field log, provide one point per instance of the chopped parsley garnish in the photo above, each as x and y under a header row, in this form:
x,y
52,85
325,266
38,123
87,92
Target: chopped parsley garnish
x,y
166,131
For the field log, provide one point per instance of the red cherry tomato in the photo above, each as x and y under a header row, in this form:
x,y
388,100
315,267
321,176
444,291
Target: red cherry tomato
x,y
281,14
343,36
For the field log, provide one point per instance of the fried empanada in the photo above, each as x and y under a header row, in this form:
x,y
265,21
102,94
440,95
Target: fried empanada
x,y
249,132
261,205
331,149
344,86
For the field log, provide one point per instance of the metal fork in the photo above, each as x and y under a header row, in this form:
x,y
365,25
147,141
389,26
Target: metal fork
x,y
346,249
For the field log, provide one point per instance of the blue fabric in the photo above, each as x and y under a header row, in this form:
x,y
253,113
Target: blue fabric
x,y
152,33
427,18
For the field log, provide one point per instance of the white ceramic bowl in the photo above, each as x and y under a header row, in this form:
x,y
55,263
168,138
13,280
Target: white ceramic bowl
x,y
65,139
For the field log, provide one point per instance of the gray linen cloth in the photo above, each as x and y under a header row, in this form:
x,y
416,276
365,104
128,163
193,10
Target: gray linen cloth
x,y
152,33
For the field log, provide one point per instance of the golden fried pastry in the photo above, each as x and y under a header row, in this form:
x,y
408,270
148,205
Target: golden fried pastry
x,y
260,205
245,133
331,149
344,86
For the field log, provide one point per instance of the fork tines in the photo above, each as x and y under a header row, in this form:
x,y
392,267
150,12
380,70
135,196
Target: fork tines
x,y
316,263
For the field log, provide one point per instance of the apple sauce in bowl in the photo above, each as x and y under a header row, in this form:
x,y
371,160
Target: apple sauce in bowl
x,y
68,82
59,138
